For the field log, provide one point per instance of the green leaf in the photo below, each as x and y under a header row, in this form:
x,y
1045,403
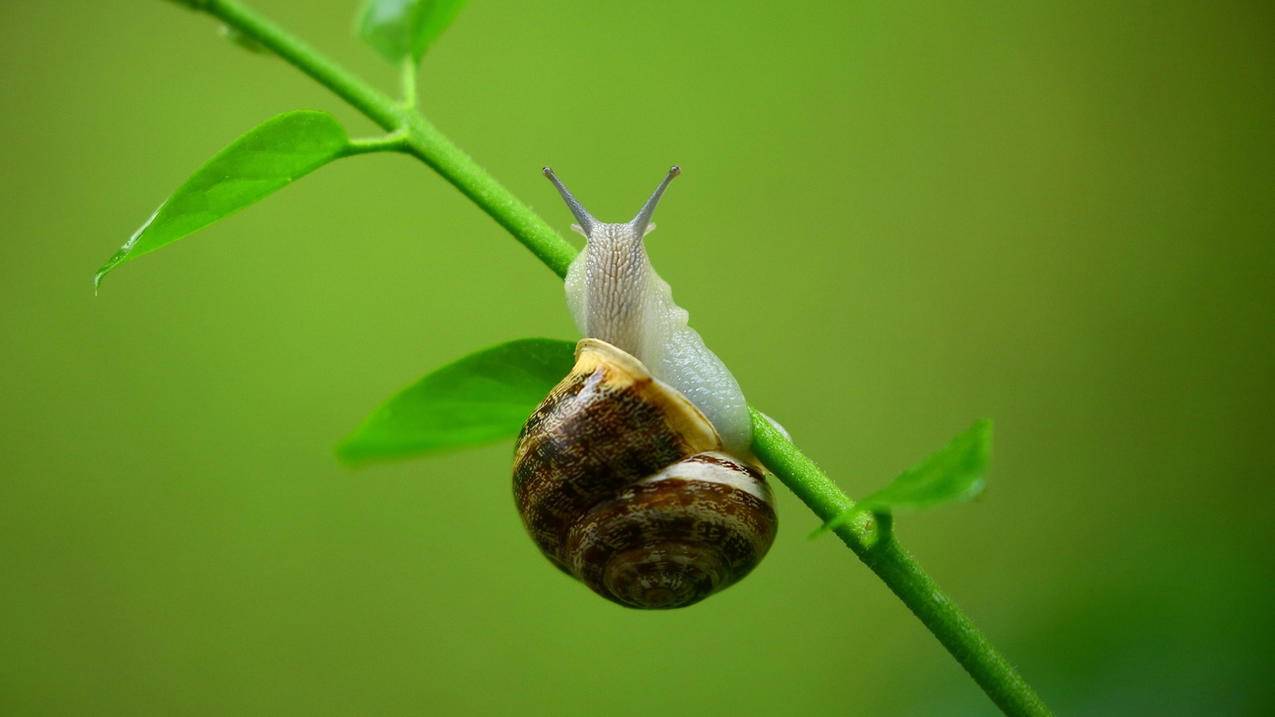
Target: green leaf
x,y
954,473
399,29
481,398
266,159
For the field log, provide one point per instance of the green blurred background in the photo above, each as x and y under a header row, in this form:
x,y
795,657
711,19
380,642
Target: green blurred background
x,y
895,218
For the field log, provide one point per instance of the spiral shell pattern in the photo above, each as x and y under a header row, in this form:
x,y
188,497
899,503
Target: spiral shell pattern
x,y
623,484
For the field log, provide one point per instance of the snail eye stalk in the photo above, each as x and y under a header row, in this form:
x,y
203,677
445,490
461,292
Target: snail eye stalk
x,y
582,215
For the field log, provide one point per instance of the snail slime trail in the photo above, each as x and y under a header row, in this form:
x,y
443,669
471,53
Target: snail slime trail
x,y
633,475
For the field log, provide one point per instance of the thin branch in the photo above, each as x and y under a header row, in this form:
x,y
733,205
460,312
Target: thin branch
x,y
362,96
872,539
393,142
407,80
869,536
423,139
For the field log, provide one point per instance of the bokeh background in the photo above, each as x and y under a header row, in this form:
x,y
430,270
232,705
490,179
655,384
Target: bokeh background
x,y
895,218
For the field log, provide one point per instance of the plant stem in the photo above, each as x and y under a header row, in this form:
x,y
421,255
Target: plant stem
x,y
392,142
407,79
423,140
872,539
869,536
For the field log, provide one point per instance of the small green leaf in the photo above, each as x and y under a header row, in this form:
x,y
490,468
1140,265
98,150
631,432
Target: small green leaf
x,y
266,159
399,29
481,398
952,474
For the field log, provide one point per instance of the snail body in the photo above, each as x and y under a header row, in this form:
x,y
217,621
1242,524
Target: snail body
x,y
614,294
633,474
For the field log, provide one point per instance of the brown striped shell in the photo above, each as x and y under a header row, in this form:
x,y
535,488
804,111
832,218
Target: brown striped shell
x,y
623,484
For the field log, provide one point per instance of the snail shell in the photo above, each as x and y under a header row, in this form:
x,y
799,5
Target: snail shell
x,y
623,484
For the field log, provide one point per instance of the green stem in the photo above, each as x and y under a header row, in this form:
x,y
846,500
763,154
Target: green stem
x,y
407,79
392,142
869,536
359,94
422,139
436,150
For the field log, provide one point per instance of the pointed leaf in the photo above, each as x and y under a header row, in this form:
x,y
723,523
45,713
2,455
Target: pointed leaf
x,y
266,159
952,474
399,29
481,398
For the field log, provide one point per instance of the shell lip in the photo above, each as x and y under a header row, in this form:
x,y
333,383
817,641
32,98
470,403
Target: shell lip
x,y
619,358
615,354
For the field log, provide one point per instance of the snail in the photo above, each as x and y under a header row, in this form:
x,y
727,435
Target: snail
x,y
634,474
